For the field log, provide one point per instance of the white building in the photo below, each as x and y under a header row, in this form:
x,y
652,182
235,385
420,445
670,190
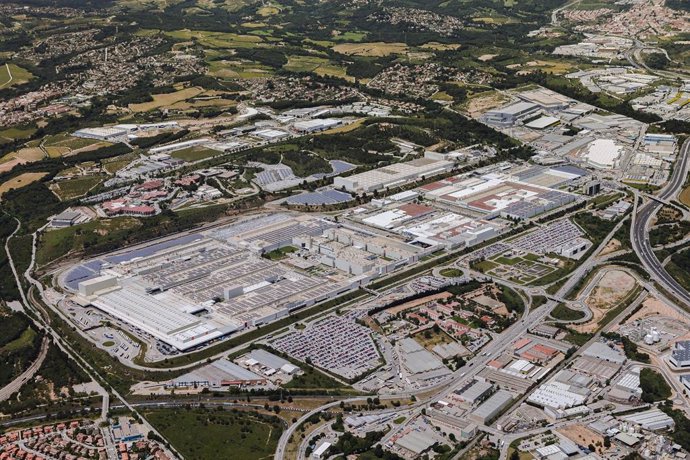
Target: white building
x,y
394,175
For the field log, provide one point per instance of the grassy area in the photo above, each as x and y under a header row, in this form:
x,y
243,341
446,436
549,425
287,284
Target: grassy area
x,y
564,313
684,196
318,65
75,188
56,243
577,338
13,75
204,434
280,253
432,337
167,99
194,154
108,343
376,49
16,132
451,272
313,379
24,340
113,165
20,181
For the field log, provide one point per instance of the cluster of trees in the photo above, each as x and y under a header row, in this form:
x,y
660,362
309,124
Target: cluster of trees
x,y
654,386
629,347
15,359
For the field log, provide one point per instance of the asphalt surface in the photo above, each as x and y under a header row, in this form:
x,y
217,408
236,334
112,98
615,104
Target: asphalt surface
x,y
14,386
640,234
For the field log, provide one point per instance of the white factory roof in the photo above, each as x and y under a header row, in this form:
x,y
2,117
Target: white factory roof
x,y
321,450
603,153
516,108
653,419
603,352
395,174
542,122
493,405
557,395
270,133
162,315
316,124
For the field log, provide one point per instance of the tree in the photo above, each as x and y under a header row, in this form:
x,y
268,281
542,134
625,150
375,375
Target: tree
x,y
515,455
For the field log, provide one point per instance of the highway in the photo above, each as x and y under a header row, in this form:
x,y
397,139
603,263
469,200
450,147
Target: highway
x,y
641,220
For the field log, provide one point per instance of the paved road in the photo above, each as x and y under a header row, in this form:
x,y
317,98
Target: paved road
x,y
642,219
476,364
14,386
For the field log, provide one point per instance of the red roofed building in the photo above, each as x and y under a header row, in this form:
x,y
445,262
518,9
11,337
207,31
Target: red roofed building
x,y
150,185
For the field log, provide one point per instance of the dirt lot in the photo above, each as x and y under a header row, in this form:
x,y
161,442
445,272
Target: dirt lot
x,y
612,288
655,307
612,246
582,435
478,105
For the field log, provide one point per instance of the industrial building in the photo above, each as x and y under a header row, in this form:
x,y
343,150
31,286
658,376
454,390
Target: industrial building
x,y
316,125
603,352
510,114
492,407
395,175
194,289
652,420
474,392
174,147
219,374
67,218
493,195
680,354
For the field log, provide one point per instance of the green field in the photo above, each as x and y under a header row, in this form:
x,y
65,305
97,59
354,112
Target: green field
x,y
194,153
24,340
563,313
56,243
13,75
313,379
204,434
75,188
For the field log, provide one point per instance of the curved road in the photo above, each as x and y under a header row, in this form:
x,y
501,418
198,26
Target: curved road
x,y
14,386
641,221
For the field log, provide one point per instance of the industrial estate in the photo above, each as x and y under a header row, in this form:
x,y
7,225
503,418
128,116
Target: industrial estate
x,y
345,230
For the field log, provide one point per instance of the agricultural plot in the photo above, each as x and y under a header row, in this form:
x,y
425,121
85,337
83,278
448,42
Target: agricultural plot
x,y
21,180
194,153
374,49
166,100
218,40
319,66
75,188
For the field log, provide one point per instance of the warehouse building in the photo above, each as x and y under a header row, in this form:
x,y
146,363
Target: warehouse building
x,y
316,125
492,407
680,355
652,420
474,392
510,114
395,175
219,374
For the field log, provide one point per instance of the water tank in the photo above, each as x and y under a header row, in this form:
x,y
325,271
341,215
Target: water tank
x,y
649,339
